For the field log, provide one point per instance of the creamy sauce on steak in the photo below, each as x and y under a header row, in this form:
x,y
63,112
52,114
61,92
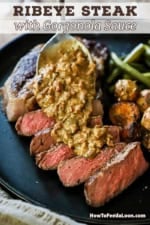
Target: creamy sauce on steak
x,y
65,89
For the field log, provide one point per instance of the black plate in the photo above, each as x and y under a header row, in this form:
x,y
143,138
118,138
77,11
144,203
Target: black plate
x,y
20,175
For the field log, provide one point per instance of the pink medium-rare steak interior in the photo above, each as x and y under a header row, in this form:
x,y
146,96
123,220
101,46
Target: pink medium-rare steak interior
x,y
33,122
76,170
42,141
50,159
116,175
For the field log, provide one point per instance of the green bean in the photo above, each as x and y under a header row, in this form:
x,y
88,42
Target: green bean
x,y
146,74
111,65
147,55
128,77
113,75
130,70
131,57
147,51
135,53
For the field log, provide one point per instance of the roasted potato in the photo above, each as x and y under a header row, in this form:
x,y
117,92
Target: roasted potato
x,y
124,113
126,90
143,100
145,122
146,140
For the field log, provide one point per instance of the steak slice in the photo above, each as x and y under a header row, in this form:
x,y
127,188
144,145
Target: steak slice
x,y
78,169
17,92
32,122
96,121
113,134
131,132
50,159
42,141
116,175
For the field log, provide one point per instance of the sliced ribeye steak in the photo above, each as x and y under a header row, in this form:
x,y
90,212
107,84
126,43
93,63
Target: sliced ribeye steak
x,y
78,169
50,159
17,92
116,175
41,142
32,122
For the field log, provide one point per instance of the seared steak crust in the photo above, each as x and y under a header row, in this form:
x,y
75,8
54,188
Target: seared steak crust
x,y
17,92
24,70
